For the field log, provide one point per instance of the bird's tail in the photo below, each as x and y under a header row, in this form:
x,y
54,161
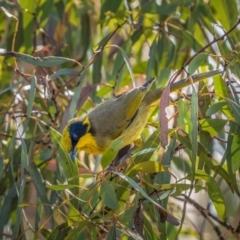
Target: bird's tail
x,y
153,96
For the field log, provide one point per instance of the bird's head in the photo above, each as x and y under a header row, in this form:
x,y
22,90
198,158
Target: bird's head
x,y
71,135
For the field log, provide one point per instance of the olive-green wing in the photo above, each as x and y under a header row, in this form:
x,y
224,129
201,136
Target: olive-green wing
x,y
112,117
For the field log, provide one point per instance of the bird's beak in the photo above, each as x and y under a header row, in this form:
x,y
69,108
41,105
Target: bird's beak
x,y
72,154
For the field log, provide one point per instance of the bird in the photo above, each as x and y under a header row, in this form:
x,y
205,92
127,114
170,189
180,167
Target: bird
x,y
122,117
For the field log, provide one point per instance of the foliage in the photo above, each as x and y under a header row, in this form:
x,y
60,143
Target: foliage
x,y
58,59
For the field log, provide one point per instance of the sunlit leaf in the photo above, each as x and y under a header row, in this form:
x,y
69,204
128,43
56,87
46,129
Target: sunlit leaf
x,y
60,187
213,126
146,167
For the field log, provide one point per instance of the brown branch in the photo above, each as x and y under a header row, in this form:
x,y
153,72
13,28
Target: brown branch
x,y
207,214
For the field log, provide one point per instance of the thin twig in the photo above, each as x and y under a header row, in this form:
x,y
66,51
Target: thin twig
x,y
202,50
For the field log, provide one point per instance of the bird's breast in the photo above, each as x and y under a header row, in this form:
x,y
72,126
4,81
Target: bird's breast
x,y
89,144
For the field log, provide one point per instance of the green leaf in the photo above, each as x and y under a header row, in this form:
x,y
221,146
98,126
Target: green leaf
x,y
181,187
222,94
31,96
76,95
204,155
108,195
220,10
215,108
96,72
194,128
109,5
11,87
232,154
41,190
191,40
136,187
235,109
152,143
197,62
152,60
146,167
112,233
127,62
214,192
26,20
59,232
234,148
8,202
21,187
63,71
73,214
213,126
78,228
36,61
111,153
170,218
44,10
144,152
60,187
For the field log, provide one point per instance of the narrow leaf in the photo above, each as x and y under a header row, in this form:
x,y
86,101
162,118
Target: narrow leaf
x,y
146,167
163,120
112,233
108,195
213,126
111,153
36,61
215,108
63,71
194,128
61,187
76,96
197,62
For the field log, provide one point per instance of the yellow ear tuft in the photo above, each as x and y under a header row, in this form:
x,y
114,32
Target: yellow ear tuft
x,y
66,140
87,123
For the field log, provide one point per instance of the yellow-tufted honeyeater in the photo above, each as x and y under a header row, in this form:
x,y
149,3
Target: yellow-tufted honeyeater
x,y
123,117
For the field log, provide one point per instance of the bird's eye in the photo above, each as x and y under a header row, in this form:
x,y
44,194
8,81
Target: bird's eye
x,y
75,137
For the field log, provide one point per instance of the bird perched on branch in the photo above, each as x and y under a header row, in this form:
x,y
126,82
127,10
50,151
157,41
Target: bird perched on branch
x,y
123,117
